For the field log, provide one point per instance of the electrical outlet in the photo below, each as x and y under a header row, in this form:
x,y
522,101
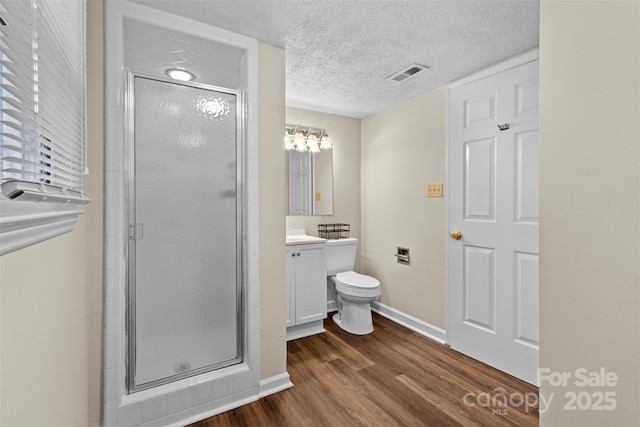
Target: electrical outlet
x,y
434,190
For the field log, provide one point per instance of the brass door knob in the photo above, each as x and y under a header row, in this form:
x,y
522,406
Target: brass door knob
x,y
456,235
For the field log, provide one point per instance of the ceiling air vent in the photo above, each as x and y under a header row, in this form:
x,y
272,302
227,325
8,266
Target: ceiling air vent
x,y
407,73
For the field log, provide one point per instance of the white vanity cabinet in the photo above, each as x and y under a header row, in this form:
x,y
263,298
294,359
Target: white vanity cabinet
x,y
306,282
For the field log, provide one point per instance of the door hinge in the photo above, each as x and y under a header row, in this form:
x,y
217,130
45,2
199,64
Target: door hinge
x,y
136,231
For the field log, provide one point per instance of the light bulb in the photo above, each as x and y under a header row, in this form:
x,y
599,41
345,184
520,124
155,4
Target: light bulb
x,y
288,143
312,143
325,143
302,147
181,75
298,141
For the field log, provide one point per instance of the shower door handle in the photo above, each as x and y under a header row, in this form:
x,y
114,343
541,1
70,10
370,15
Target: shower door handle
x,y
136,231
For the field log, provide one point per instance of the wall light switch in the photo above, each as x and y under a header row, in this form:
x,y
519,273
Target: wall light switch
x,y
434,190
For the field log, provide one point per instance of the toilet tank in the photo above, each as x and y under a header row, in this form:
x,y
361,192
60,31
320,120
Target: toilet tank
x,y
341,255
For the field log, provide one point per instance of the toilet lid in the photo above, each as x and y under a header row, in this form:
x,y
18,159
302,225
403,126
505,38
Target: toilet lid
x,y
356,280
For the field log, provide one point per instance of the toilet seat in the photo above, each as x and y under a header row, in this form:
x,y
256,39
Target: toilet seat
x,y
357,280
355,284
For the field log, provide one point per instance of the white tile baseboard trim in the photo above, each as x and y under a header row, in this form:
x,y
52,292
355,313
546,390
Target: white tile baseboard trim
x,y
268,386
275,384
204,415
417,325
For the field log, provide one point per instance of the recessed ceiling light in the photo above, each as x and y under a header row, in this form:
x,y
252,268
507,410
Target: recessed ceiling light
x,y
178,74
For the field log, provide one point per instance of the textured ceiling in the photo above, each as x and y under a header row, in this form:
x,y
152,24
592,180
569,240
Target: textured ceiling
x,y
339,53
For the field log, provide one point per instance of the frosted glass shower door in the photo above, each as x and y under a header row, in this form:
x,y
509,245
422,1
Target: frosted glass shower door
x,y
184,255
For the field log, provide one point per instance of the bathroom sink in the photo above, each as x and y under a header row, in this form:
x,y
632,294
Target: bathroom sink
x,y
303,239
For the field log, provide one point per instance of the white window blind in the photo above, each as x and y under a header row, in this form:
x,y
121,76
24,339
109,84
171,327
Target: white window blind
x,y
42,119
42,100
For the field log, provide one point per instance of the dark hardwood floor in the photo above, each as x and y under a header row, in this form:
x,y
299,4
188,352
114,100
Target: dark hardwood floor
x,y
392,377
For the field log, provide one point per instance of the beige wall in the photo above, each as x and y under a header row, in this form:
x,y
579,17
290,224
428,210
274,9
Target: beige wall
x,y
345,136
95,211
273,348
51,325
589,196
44,317
403,150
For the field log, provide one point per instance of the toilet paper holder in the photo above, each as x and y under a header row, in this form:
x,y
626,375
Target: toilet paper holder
x,y
402,256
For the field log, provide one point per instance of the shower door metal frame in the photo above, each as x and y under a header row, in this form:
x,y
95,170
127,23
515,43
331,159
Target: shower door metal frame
x,y
130,315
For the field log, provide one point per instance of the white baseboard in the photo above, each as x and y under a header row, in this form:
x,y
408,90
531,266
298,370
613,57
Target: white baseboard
x,y
331,306
275,384
417,325
305,330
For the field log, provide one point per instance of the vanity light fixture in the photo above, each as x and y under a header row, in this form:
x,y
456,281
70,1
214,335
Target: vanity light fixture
x,y
178,74
305,139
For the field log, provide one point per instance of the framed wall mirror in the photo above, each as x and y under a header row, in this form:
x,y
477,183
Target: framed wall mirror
x,y
309,172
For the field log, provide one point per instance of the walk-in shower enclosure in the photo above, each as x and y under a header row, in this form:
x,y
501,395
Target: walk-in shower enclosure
x,y
181,337
184,290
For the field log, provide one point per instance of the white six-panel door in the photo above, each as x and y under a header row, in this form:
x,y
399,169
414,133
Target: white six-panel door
x,y
493,192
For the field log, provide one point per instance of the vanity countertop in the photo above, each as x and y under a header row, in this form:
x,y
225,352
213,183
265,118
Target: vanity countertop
x,y
303,239
298,237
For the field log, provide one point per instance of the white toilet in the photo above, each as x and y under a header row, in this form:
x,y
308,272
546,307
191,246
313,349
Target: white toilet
x,y
354,292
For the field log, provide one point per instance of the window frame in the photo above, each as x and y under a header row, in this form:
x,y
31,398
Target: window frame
x,y
26,223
